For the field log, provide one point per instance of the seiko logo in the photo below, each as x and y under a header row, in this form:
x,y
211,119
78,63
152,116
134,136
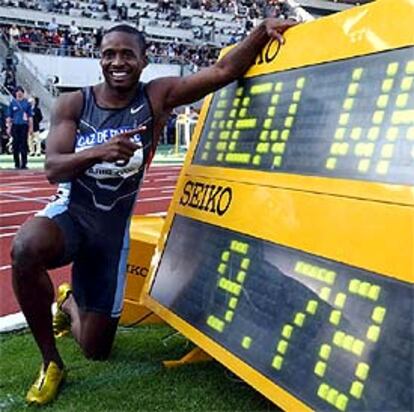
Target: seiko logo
x,y
135,110
210,198
137,270
269,52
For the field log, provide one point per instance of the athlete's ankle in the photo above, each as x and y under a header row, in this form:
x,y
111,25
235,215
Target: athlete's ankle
x,y
56,359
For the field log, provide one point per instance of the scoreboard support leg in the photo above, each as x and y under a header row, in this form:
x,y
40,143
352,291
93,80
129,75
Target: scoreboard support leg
x,y
194,356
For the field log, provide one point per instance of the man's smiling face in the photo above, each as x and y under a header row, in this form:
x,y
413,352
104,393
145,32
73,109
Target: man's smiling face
x,y
122,60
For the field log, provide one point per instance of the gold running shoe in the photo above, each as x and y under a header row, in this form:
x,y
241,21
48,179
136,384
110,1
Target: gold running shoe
x,y
46,386
61,320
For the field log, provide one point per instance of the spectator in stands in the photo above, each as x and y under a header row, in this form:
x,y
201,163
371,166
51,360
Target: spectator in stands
x,y
25,40
10,59
170,128
10,80
36,39
98,33
4,137
19,124
193,114
122,12
2,76
53,26
98,149
35,146
73,28
88,47
64,44
14,34
164,6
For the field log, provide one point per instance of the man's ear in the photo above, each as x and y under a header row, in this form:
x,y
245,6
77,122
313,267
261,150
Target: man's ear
x,y
145,61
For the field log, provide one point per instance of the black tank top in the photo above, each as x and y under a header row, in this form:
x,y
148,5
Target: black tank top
x,y
105,193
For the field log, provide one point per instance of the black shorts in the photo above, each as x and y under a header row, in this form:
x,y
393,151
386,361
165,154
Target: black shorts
x,y
99,261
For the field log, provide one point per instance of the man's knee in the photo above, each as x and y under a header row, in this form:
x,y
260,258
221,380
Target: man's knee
x,y
24,252
34,246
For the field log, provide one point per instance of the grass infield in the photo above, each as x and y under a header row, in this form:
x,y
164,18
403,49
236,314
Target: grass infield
x,y
133,379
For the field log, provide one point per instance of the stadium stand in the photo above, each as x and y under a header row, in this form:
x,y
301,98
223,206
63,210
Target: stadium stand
x,y
182,35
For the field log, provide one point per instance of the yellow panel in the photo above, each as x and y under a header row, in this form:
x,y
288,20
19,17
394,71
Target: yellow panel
x,y
354,32
343,229
135,314
398,194
144,232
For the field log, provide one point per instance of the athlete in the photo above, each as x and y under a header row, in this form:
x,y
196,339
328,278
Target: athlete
x,y
101,139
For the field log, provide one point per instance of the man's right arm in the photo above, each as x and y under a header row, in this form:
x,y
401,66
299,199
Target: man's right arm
x,y
62,163
8,120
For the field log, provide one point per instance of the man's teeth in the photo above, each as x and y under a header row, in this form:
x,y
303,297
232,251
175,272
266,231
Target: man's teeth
x,y
119,74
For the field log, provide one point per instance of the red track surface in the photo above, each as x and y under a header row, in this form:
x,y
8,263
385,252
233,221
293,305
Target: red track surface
x,y
23,193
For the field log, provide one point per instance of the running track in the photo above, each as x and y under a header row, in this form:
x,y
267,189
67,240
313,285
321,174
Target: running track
x,y
23,193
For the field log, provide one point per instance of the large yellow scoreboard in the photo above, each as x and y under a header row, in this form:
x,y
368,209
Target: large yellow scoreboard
x,y
288,252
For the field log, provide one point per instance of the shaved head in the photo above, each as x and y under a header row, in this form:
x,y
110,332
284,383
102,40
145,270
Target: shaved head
x,y
125,28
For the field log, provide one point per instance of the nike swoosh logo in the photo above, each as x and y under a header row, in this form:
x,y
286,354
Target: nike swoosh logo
x,y
135,110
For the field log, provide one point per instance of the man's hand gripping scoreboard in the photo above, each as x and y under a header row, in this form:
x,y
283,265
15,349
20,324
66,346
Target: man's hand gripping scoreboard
x,y
288,249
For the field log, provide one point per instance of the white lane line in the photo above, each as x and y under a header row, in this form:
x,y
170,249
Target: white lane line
x,y
21,180
161,214
27,212
162,173
44,199
152,199
5,267
148,189
21,185
9,192
167,179
160,178
9,227
29,199
27,190
12,322
11,234
163,179
16,186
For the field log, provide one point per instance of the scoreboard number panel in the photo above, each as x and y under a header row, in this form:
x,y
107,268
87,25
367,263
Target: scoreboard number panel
x,y
348,119
288,249
329,333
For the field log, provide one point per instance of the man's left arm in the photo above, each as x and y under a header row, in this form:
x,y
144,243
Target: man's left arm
x,y
170,92
30,131
30,119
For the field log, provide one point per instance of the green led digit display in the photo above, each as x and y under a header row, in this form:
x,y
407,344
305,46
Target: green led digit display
x,y
350,119
337,337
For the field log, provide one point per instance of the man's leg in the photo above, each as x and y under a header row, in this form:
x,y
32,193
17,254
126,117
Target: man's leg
x,y
38,244
24,149
16,148
95,332
96,302
37,147
31,144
